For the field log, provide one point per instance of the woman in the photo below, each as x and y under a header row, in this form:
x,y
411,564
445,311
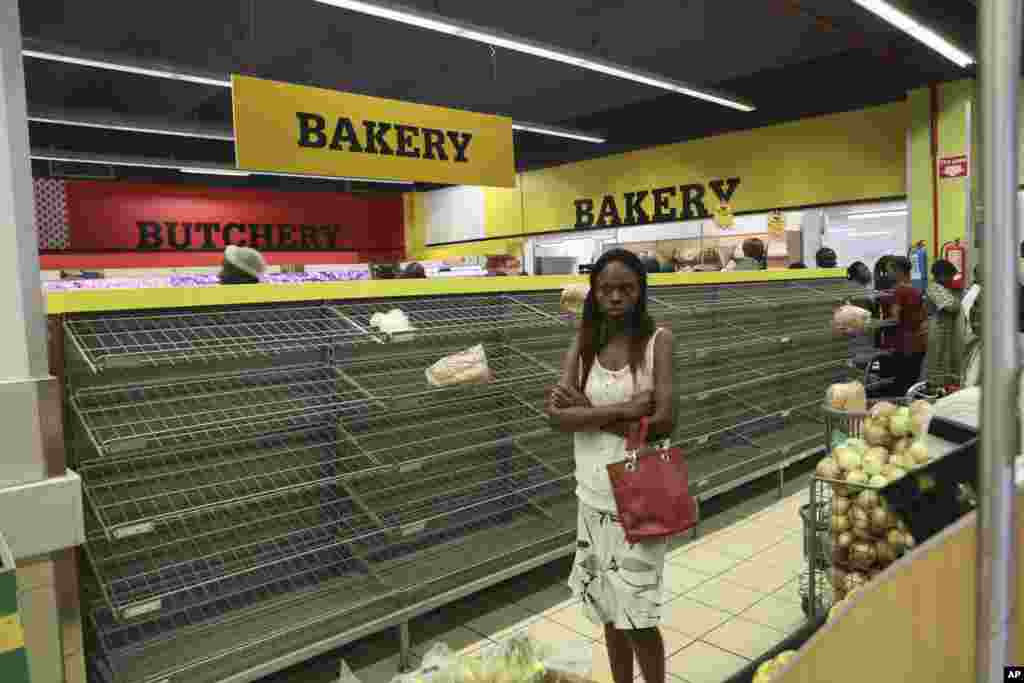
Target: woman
x,y
946,328
242,266
908,340
618,369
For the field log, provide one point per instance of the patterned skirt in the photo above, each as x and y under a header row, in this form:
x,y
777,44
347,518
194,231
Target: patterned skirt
x,y
617,583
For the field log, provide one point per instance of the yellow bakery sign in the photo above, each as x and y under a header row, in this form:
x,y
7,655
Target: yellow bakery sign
x,y
291,128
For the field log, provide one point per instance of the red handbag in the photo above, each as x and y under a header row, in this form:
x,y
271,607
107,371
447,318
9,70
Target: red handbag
x,y
652,489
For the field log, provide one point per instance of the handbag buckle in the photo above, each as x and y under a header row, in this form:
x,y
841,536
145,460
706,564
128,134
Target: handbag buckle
x,y
631,460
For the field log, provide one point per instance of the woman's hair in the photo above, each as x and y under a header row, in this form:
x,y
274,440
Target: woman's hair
x,y
825,258
233,275
594,328
900,265
859,272
651,264
943,271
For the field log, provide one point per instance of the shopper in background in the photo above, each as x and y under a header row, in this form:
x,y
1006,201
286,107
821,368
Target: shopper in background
x,y
617,370
710,261
651,264
908,339
825,258
797,266
753,256
946,330
242,266
414,271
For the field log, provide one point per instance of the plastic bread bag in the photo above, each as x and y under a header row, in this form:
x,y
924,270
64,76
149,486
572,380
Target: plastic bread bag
x,y
850,320
847,396
572,299
395,323
521,659
439,665
465,367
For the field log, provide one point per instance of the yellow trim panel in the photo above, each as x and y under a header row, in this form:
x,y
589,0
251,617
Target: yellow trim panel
x,y
105,300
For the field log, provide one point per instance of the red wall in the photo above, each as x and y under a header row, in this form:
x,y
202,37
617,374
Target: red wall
x,y
190,226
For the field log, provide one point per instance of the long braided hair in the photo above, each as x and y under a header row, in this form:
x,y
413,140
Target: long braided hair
x,y
594,330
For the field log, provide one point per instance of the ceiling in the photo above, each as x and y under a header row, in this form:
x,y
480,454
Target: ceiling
x,y
791,58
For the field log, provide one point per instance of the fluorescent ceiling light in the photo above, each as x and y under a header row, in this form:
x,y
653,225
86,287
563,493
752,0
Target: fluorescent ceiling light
x,y
214,171
211,170
876,214
917,31
556,132
442,25
134,129
325,177
127,68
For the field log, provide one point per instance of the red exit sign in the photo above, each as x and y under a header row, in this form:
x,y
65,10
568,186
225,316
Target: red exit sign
x,y
953,167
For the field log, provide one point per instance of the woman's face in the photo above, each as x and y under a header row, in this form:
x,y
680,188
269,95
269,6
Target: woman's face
x,y
617,290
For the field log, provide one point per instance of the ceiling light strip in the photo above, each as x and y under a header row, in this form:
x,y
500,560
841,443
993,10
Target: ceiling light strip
x,y
126,68
133,129
439,24
918,31
556,132
209,170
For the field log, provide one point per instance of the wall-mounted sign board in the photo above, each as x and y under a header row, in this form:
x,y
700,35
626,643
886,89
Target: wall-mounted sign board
x,y
291,128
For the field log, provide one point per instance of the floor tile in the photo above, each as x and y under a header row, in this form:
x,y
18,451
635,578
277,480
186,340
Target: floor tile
x,y
761,576
780,614
675,640
749,541
679,579
789,592
704,560
456,639
691,617
573,617
704,663
725,596
744,638
499,620
544,600
788,552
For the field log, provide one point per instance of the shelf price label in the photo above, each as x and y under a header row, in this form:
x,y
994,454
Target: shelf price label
x,y
141,609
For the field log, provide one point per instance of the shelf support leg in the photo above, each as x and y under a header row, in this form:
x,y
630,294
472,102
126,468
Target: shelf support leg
x,y
405,664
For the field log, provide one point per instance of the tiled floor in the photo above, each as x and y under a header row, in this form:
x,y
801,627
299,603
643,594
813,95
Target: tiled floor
x,y
730,596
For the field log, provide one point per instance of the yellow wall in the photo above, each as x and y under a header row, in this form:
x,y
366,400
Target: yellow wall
x,y
823,160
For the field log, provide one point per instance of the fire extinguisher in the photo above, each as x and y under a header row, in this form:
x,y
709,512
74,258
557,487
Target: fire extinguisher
x,y
955,253
919,266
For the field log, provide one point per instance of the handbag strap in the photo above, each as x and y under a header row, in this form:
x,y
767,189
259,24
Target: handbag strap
x,y
637,436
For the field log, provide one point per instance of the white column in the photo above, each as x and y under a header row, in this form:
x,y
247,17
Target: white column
x,y
999,54
23,352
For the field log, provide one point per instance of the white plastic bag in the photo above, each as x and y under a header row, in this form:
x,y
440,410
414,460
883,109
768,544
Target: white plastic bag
x,y
345,674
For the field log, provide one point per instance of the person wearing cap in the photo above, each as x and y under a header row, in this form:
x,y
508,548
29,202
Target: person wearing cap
x,y
242,266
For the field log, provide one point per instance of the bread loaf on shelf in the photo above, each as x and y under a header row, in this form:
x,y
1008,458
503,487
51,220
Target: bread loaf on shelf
x,y
573,297
465,367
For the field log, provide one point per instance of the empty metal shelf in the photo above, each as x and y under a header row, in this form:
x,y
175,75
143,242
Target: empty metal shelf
x,y
133,495
122,419
480,316
406,437
108,342
264,546
401,376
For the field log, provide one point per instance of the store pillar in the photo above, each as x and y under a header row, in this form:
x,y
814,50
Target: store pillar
x,y
999,36
40,501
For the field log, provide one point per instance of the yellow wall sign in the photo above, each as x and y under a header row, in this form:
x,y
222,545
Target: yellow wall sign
x,y
298,129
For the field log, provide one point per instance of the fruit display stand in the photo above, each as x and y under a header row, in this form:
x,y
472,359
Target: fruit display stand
x,y
851,533
269,478
914,622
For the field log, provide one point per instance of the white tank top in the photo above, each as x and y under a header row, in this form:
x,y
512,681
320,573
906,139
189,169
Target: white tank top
x,y
594,451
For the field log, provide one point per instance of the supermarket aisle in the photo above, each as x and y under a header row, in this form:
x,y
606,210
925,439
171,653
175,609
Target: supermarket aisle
x,y
732,594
